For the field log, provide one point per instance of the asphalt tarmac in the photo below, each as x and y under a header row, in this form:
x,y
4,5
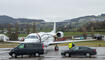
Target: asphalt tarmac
x,y
50,54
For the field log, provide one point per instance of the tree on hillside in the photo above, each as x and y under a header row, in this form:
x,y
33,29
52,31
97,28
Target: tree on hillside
x,y
1,28
34,28
84,32
16,31
9,31
92,30
28,29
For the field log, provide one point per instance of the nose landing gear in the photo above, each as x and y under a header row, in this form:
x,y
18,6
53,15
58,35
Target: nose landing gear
x,y
56,48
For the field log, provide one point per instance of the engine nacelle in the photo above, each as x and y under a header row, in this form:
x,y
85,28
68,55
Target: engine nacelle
x,y
60,34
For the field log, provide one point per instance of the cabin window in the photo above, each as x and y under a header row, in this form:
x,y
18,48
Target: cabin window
x,y
75,48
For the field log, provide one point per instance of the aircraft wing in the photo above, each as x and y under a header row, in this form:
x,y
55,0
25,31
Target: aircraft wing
x,y
68,41
15,41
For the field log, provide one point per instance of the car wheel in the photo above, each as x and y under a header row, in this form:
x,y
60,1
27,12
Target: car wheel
x,y
30,55
88,55
21,56
67,55
34,54
14,55
37,54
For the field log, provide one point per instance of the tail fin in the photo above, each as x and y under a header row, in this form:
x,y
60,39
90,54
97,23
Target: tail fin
x,y
54,28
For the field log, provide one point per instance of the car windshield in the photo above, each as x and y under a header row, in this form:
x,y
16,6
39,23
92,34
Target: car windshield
x,y
32,37
21,45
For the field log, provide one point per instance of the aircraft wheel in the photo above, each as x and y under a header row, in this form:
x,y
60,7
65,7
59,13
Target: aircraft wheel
x,y
56,48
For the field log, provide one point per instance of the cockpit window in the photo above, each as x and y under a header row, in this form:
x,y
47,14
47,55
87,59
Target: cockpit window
x,y
32,37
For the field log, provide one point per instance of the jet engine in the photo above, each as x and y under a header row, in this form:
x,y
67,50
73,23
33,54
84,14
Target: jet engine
x,y
60,34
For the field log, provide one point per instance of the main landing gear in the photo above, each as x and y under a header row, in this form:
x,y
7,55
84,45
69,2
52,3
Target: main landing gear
x,y
56,48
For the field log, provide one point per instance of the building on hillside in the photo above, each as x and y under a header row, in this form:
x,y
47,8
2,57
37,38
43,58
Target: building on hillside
x,y
3,37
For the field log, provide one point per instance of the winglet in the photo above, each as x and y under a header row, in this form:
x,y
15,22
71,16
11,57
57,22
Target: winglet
x,y
54,28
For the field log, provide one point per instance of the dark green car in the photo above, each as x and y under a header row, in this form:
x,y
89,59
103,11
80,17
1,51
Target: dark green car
x,y
27,49
79,50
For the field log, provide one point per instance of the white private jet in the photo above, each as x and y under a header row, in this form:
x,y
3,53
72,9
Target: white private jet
x,y
47,38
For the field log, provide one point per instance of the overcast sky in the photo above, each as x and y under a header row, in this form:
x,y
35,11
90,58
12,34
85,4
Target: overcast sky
x,y
51,10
